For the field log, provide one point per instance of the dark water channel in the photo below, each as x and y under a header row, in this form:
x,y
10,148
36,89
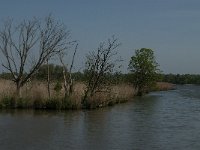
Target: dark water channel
x,y
162,120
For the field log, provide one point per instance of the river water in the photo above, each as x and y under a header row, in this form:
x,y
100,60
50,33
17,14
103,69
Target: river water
x,y
161,120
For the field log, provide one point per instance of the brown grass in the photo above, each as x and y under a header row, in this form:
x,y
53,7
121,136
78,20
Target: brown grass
x,y
164,86
118,94
6,87
36,94
123,91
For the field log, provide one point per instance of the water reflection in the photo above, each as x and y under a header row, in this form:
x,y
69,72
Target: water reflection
x,y
27,130
161,120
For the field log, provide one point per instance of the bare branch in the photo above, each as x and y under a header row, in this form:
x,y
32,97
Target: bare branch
x,y
19,42
98,65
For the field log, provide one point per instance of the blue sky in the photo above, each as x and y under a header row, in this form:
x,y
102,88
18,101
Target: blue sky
x,y
170,27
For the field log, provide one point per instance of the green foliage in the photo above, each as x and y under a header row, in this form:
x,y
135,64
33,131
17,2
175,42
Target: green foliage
x,y
181,79
58,87
68,103
53,103
8,102
56,72
39,104
7,76
56,103
23,103
144,69
78,76
60,104
13,102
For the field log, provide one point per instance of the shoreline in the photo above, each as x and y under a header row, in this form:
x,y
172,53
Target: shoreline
x,y
36,100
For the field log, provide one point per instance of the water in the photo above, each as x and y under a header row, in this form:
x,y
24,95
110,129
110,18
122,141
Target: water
x,y
162,120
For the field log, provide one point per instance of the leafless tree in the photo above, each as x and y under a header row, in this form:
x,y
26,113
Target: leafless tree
x,y
99,64
54,30
28,45
67,74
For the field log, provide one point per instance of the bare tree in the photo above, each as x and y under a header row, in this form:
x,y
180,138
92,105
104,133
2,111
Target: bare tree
x,y
98,64
28,45
67,74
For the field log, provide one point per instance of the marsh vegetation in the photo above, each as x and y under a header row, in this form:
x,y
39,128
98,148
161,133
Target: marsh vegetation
x,y
32,81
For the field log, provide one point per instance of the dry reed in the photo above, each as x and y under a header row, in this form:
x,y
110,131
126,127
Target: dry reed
x,y
35,95
163,86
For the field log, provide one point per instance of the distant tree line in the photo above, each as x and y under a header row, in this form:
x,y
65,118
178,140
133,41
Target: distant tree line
x,y
115,78
181,78
56,74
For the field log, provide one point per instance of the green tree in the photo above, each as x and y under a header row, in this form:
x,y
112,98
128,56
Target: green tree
x,y
55,72
144,70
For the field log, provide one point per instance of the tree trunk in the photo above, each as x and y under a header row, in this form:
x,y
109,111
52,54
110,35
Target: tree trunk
x,y
84,101
48,80
70,84
140,91
18,90
65,81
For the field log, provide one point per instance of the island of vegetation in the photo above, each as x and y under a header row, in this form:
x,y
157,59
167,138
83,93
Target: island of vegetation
x,y
31,80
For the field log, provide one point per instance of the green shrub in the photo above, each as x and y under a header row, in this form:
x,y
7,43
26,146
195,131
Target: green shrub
x,y
8,102
38,104
111,103
58,87
53,103
23,103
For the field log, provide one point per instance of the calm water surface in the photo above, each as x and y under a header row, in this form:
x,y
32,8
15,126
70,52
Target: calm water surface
x,y
162,120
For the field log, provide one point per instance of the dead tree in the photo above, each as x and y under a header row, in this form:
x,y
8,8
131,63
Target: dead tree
x,y
67,75
28,45
71,83
98,64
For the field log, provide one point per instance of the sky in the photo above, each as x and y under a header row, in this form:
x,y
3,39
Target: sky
x,y
170,27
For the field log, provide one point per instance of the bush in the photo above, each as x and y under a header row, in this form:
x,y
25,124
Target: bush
x,y
8,102
23,103
53,103
38,104
58,87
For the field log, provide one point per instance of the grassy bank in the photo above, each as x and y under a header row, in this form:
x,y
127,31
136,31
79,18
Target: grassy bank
x,y
35,96
164,86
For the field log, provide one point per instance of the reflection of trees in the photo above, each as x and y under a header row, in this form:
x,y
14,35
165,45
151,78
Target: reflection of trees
x,y
25,130
145,122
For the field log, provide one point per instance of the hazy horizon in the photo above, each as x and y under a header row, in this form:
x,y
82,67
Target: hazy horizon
x,y
170,28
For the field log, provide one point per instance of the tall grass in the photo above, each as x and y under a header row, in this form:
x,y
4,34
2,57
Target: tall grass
x,y
163,86
35,96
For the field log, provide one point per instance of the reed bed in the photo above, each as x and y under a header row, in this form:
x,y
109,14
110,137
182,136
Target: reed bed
x,y
164,86
35,95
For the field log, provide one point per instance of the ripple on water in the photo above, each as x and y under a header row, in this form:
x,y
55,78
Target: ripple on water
x,y
161,120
